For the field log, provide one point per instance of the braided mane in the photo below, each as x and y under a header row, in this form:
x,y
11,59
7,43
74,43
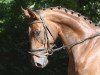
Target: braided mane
x,y
68,10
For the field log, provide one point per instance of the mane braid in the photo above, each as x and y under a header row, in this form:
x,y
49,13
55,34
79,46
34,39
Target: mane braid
x,y
90,22
59,7
44,9
79,14
71,11
86,18
51,8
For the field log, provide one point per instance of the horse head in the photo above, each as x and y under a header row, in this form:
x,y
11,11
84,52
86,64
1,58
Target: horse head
x,y
42,34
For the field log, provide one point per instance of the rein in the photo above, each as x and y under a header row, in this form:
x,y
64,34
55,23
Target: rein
x,y
48,49
72,45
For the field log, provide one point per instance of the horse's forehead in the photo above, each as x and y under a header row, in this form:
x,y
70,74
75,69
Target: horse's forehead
x,y
35,27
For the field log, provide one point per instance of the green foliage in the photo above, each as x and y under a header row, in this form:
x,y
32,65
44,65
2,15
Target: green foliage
x,y
14,44
90,9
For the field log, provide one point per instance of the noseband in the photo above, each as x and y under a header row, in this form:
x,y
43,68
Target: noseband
x,y
48,49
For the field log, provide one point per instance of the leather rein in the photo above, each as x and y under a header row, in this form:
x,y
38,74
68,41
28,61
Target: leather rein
x,y
49,50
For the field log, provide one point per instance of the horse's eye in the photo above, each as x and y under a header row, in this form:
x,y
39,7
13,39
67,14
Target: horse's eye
x,y
36,33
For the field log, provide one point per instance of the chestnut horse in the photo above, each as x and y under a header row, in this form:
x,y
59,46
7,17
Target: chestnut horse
x,y
80,36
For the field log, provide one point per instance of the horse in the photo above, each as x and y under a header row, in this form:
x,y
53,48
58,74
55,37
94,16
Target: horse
x,y
80,37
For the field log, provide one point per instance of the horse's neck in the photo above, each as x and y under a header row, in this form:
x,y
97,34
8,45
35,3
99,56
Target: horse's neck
x,y
74,27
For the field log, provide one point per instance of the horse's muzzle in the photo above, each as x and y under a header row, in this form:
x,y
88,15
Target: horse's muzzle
x,y
40,61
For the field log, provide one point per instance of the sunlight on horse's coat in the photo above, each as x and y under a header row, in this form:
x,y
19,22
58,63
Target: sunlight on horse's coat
x,y
77,32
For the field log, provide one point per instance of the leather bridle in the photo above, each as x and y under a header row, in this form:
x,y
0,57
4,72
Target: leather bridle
x,y
46,30
49,50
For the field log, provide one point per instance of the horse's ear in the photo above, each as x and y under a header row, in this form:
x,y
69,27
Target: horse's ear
x,y
29,13
26,13
32,14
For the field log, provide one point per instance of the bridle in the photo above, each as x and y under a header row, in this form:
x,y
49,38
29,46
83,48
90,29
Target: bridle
x,y
48,49
46,29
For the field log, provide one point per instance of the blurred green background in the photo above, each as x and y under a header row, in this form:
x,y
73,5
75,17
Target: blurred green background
x,y
14,44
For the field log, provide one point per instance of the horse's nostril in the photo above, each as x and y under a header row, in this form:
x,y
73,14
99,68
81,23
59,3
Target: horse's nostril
x,y
39,65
